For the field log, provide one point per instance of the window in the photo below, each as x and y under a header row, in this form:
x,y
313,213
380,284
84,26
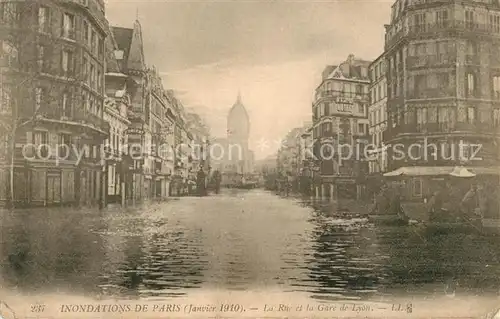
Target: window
x,y
361,108
432,114
66,104
92,75
5,103
40,137
471,51
326,109
11,53
420,22
85,31
442,18
93,41
496,87
469,19
99,80
417,187
359,89
9,12
91,106
495,23
443,117
68,27
85,71
40,51
496,117
432,81
67,62
471,85
100,47
39,97
471,115
43,19
361,129
64,144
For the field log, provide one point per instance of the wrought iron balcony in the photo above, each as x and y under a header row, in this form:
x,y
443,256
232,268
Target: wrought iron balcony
x,y
91,119
430,60
432,93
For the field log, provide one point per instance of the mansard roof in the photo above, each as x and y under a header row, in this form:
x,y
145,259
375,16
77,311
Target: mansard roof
x,y
130,42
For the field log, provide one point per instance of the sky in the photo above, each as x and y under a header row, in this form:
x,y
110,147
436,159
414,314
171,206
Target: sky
x,y
271,51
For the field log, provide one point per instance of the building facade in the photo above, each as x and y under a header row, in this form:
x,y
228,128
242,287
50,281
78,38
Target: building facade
x,y
377,115
443,73
340,117
52,87
116,105
161,126
129,54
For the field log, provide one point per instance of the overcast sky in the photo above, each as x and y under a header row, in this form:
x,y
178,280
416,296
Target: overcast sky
x,y
273,51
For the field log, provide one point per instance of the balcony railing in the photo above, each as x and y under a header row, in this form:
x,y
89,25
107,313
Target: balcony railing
x,y
349,95
432,93
91,119
447,127
447,25
430,60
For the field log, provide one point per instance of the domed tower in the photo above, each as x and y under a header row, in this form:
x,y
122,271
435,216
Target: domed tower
x,y
238,122
238,131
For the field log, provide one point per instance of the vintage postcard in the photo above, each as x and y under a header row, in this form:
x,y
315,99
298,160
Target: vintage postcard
x,y
249,159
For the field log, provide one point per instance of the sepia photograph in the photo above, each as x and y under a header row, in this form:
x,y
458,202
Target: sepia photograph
x,y
249,159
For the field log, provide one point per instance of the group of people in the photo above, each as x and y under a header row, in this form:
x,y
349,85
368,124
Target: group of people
x,y
197,185
447,203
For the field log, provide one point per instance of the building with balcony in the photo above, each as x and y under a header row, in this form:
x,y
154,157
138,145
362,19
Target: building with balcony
x,y
116,105
340,117
182,146
377,116
161,124
201,138
129,54
443,79
52,84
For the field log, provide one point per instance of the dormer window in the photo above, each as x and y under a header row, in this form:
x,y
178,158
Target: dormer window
x,y
119,54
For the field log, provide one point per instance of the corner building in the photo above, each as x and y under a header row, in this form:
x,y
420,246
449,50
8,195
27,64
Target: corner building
x,y
443,78
52,81
340,117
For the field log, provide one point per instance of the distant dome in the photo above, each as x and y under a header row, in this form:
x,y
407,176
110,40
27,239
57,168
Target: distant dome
x,y
238,121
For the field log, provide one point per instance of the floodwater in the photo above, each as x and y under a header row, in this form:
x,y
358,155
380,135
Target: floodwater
x,y
238,240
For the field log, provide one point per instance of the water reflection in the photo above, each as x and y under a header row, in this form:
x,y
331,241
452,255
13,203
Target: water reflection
x,y
50,249
242,240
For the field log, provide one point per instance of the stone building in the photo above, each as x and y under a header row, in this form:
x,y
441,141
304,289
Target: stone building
x,y
377,115
443,78
52,84
129,53
117,103
340,117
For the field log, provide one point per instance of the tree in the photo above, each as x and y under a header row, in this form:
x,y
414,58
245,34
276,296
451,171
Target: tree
x,y
29,57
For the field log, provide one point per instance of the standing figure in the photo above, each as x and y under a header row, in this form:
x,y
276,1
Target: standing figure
x,y
217,180
200,182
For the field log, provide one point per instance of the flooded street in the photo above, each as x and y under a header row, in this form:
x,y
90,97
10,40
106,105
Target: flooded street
x,y
239,240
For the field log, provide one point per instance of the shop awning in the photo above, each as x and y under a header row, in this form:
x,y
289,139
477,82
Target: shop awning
x,y
485,170
430,171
